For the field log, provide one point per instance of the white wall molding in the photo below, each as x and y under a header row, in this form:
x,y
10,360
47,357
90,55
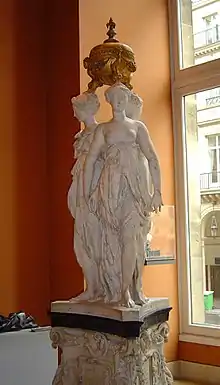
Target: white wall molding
x,y
207,374
202,340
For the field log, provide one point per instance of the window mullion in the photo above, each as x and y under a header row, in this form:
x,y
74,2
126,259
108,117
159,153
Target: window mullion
x,y
192,77
201,84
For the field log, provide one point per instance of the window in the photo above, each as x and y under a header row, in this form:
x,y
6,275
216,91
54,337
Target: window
x,y
195,68
199,32
213,97
210,21
214,157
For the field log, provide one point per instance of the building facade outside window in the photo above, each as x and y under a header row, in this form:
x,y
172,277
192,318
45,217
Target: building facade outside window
x,y
195,64
214,159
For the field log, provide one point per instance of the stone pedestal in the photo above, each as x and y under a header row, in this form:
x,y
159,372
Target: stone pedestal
x,y
108,351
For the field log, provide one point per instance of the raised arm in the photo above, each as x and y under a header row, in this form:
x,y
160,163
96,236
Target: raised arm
x,y
93,154
147,147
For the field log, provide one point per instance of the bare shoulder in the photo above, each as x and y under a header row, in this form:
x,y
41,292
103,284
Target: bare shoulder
x,y
141,127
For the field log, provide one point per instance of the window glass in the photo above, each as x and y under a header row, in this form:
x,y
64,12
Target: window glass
x,y
199,31
212,140
202,135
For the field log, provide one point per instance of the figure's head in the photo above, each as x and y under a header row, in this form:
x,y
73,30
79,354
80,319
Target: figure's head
x,y
134,106
85,105
117,96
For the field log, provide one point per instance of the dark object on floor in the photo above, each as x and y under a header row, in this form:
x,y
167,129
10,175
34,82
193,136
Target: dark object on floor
x,y
16,321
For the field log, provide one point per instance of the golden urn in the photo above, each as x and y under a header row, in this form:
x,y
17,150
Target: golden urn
x,y
110,62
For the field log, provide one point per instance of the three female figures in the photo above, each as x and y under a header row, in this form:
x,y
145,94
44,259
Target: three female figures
x,y
110,180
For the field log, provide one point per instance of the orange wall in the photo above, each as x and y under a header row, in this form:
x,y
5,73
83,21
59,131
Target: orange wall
x,y
7,161
39,62
203,354
63,82
31,159
161,281
23,220
144,26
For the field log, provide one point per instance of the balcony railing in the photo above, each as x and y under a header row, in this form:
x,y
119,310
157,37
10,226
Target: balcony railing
x,y
206,37
210,180
215,100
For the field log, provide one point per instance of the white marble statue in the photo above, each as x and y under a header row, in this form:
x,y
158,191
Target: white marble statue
x,y
133,111
121,200
85,107
134,106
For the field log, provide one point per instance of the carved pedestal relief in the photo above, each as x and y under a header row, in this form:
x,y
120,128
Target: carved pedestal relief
x,y
93,358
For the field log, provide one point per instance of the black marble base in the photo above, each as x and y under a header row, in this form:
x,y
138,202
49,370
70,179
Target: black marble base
x,y
126,329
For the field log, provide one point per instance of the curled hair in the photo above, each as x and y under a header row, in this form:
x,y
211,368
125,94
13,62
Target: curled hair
x,y
87,100
121,89
134,99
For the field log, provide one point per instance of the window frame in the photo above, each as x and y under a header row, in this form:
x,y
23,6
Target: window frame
x,y
184,82
180,76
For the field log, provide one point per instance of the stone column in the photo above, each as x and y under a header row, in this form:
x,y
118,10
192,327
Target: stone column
x,y
204,262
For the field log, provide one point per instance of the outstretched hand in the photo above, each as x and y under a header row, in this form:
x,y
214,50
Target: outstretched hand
x,y
156,202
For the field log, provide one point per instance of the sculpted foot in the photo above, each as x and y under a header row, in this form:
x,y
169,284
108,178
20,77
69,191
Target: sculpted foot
x,y
85,296
140,299
127,300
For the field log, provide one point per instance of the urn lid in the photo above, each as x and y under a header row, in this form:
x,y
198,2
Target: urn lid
x,y
110,62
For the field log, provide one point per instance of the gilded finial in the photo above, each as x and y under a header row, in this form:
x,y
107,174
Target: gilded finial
x,y
111,32
110,62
